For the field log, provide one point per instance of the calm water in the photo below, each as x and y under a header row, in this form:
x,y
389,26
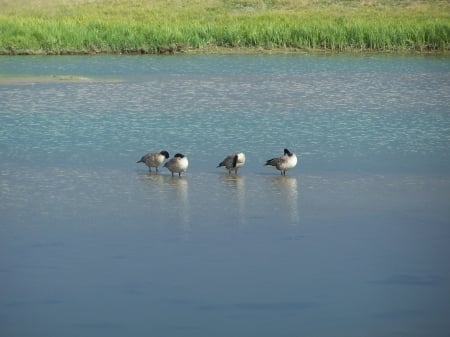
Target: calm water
x,y
353,242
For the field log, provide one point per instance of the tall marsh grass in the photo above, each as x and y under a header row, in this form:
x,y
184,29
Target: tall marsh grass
x,y
138,26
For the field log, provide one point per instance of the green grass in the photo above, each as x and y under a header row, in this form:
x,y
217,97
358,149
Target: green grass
x,y
138,26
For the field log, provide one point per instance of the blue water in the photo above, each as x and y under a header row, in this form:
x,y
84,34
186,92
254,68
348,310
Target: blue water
x,y
352,242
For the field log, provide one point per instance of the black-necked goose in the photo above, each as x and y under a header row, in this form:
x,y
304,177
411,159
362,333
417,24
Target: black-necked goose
x,y
233,162
284,163
154,159
178,164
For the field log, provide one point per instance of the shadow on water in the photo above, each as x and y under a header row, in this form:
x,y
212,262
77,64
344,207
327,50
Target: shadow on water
x,y
411,280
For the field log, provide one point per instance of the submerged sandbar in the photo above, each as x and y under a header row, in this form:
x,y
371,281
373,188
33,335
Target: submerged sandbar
x,y
32,79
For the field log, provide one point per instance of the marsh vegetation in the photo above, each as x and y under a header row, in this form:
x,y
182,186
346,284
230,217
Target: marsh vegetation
x,y
169,26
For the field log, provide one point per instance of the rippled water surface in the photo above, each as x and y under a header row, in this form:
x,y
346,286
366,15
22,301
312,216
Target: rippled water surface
x,y
352,242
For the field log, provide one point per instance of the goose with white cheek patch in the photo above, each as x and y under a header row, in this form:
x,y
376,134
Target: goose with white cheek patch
x,y
154,159
233,162
178,164
284,163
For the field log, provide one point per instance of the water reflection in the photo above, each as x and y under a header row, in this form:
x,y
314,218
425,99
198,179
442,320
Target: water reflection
x,y
67,181
285,187
152,177
180,199
169,200
235,185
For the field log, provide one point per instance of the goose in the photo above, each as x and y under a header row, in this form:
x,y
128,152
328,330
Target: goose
x,y
284,163
178,164
233,162
154,159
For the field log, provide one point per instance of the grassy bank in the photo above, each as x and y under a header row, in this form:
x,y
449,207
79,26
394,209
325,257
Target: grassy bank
x,y
167,26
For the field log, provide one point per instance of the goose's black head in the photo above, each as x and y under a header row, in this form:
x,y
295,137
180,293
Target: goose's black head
x,y
235,159
287,152
165,154
179,155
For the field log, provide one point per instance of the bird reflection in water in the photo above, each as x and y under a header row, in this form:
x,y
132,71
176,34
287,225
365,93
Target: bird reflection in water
x,y
236,187
168,200
180,200
152,177
286,188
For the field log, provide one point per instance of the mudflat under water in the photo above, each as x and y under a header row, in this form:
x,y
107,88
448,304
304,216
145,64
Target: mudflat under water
x,y
352,242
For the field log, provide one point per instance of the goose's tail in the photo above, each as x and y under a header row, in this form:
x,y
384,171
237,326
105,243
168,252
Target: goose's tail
x,y
271,162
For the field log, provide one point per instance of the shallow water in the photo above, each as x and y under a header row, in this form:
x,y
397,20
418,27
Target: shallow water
x,y
353,241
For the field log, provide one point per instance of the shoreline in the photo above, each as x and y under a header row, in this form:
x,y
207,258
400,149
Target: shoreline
x,y
220,50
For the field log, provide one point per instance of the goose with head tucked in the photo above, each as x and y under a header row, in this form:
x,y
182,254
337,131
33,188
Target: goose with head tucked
x,y
154,159
233,162
178,164
283,163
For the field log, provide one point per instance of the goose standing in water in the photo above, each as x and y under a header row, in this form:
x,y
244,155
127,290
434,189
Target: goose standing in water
x,y
154,159
284,163
178,164
233,162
